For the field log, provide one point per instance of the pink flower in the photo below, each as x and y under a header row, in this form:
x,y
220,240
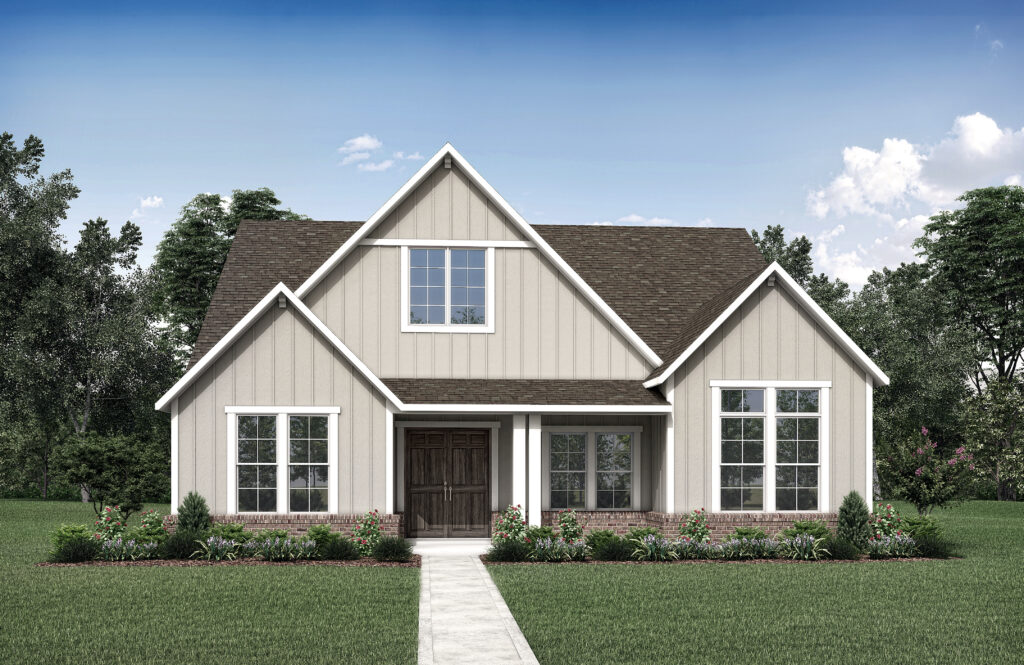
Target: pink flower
x,y
951,462
919,471
924,430
920,451
972,467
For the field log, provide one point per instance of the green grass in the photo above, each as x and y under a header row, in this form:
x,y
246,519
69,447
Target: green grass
x,y
223,615
969,610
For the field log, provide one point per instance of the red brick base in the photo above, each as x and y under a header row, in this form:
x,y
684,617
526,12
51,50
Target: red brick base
x,y
298,524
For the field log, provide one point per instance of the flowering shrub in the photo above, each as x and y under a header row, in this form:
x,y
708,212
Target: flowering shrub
x,y
280,549
654,548
510,525
216,548
886,521
110,523
805,547
366,533
884,547
695,527
558,549
120,549
568,526
152,528
750,548
926,477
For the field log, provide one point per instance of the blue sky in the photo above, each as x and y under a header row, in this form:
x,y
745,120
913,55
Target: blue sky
x,y
850,127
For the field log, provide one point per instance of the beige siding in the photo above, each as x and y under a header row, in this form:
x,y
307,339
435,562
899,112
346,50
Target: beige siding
x,y
282,361
769,338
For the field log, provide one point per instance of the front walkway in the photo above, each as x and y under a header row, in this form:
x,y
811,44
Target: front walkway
x,y
463,618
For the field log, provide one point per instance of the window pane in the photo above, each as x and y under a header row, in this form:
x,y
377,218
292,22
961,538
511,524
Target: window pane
x,y
476,297
732,429
559,443
417,277
299,427
808,401
731,499
559,461
753,499
476,278
299,476
732,451
753,400
267,451
459,258
298,501
732,401
753,452
299,451
577,461
808,452
577,499
268,477
435,277
318,451
318,501
807,499
785,428
559,499
753,428
785,401
247,427
318,475
604,500
318,427
753,476
435,315
267,500
808,429
621,500
785,476
459,278
785,499
732,476
807,476
268,427
246,475
785,451
246,451
476,258
418,257
247,500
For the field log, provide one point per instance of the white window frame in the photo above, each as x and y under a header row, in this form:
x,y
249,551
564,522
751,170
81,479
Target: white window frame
x,y
486,327
282,413
770,414
591,433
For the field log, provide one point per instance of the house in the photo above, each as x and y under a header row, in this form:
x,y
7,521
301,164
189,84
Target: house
x,y
446,358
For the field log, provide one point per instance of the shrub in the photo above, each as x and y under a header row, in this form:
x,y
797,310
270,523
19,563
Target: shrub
x,y
110,523
322,536
510,525
653,548
695,527
854,521
568,526
803,546
509,549
748,532
269,534
933,546
120,549
280,549
366,533
689,549
339,549
598,537
559,549
392,548
151,529
641,532
750,548
925,476
884,547
816,528
605,545
231,531
72,544
180,544
918,526
194,514
887,522
216,548
843,549
536,533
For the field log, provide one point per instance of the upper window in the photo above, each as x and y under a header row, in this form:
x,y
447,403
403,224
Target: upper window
x,y
591,470
769,449
448,289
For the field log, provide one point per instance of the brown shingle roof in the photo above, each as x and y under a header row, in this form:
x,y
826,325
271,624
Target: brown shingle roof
x,y
523,391
264,253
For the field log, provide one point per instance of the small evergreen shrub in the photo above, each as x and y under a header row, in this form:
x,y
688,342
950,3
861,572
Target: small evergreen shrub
x,y
843,549
339,549
598,537
510,525
194,514
918,526
605,545
180,544
231,531
569,526
392,548
748,532
509,549
854,526
73,544
816,528
322,536
933,546
366,533
269,534
535,534
695,527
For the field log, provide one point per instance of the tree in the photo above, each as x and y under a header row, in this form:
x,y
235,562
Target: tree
x,y
853,525
993,423
977,255
190,257
114,470
794,256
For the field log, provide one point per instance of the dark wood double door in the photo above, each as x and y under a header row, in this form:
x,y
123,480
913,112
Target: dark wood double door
x,y
447,483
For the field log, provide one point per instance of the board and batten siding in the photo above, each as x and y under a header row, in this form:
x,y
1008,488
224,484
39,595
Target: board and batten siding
x,y
769,338
544,327
282,361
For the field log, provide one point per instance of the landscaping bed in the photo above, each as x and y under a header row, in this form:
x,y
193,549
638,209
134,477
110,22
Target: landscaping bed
x,y
365,562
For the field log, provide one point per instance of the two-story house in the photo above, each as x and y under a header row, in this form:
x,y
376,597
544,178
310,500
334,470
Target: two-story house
x,y
445,359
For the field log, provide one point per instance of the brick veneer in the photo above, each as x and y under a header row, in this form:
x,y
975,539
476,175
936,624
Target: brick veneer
x,y
298,524
721,524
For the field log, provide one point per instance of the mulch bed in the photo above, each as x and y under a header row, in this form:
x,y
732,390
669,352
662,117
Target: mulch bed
x,y
678,562
189,563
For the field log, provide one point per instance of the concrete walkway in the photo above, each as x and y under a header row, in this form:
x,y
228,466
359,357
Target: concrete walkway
x,y
463,618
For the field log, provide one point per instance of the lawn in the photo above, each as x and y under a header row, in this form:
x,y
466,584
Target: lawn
x,y
969,610
223,615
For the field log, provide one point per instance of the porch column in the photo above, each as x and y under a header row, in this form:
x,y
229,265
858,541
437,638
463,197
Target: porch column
x,y
670,448
519,460
535,482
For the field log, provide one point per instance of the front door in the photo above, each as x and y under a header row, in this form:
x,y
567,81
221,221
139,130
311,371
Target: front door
x,y
447,483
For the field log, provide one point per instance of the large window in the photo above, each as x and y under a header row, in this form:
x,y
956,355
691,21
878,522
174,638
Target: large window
x,y
448,289
769,447
281,462
591,469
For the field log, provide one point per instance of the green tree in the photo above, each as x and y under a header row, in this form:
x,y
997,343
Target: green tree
x,y
993,423
114,470
977,256
190,257
794,256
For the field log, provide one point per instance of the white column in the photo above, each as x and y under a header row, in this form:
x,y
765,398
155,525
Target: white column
x,y
535,484
174,457
869,440
519,460
389,460
670,447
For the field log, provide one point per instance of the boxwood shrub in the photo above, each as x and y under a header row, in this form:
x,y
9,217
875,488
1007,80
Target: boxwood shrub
x,y
392,548
509,549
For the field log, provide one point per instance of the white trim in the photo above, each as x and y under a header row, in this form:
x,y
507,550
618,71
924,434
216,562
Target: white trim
x,y
432,242
535,458
590,431
670,451
739,383
283,477
449,424
533,408
163,404
290,409
869,453
519,460
448,150
617,429
486,327
825,450
716,449
174,457
232,462
333,468
816,312
771,453
389,459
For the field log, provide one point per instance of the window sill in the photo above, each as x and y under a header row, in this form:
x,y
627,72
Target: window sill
x,y
427,328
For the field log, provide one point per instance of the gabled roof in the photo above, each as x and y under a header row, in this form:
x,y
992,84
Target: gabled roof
x,y
449,151
717,311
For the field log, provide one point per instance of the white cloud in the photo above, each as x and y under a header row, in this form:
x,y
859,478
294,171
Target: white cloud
x,y
415,156
1014,179
362,143
995,46
706,222
634,219
355,157
147,203
376,166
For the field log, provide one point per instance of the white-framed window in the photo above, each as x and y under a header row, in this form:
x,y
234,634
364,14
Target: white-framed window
x,y
590,468
770,445
447,289
282,459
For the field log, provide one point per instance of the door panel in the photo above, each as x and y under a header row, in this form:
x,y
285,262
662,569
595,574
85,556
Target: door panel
x,y
447,482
